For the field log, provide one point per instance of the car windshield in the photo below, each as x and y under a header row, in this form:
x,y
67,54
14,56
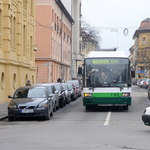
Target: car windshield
x,y
30,93
49,89
57,87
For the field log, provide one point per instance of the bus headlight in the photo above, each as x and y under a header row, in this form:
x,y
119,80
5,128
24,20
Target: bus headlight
x,y
125,94
87,94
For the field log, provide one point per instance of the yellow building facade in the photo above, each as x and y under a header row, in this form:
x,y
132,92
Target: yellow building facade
x,y
142,50
17,36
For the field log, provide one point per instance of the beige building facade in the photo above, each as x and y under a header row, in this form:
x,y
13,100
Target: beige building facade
x,y
17,33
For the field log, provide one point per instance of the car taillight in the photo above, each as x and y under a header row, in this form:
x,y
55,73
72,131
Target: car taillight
x,y
149,87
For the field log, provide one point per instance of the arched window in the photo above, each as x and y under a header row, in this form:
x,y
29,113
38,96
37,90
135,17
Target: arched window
x,y
14,81
31,47
32,7
11,31
2,81
14,32
24,39
32,79
26,79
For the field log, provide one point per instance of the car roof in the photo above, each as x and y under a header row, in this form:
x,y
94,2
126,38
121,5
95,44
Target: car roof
x,y
31,87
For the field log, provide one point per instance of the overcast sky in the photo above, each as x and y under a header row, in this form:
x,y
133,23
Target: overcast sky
x,y
112,15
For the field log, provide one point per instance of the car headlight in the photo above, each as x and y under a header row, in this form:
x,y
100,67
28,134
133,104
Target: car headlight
x,y
12,105
87,94
125,94
42,105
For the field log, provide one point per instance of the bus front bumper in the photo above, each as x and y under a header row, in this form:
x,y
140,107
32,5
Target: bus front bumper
x,y
103,101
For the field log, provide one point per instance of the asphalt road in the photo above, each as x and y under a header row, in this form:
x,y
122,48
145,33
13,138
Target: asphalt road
x,y
73,128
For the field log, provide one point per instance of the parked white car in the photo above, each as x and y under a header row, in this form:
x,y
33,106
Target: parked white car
x,y
146,116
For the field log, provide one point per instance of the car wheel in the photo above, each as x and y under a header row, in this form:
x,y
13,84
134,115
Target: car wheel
x,y
48,115
61,105
51,114
57,107
125,107
10,118
65,103
67,100
54,109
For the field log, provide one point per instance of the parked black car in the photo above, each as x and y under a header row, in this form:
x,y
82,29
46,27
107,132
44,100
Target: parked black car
x,y
59,88
30,101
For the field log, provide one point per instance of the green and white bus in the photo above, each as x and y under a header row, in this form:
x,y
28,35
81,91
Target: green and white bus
x,y
111,92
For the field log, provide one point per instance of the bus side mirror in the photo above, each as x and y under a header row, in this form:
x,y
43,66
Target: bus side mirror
x,y
79,70
132,74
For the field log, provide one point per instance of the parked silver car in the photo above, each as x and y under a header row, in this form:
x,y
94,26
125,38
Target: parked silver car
x,y
72,90
54,94
67,93
77,84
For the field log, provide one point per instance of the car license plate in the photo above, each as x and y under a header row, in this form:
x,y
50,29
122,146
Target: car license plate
x,y
27,111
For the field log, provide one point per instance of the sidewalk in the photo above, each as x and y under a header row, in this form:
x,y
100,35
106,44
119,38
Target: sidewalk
x,y
3,111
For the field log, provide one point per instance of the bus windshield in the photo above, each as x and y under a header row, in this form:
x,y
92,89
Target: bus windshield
x,y
106,72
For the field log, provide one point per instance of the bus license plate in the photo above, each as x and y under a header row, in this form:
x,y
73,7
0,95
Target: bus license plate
x,y
27,111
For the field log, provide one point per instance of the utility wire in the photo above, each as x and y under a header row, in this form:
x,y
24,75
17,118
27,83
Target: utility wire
x,y
101,13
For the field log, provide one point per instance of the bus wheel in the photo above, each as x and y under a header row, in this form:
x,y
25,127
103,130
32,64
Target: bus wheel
x,y
88,107
125,107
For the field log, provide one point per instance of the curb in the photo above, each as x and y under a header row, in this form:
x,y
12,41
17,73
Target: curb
x,y
3,117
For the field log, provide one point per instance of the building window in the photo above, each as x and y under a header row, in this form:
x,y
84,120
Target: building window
x,y
14,81
57,49
26,79
52,15
32,79
2,81
24,39
11,30
31,49
14,32
0,26
52,47
32,7
144,41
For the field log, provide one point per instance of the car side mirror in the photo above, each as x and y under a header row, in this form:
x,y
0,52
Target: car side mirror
x,y
50,95
9,96
56,92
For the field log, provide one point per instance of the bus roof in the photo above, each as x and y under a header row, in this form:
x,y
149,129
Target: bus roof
x,y
104,54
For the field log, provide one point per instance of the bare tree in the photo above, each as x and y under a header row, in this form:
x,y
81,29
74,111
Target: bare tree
x,y
91,31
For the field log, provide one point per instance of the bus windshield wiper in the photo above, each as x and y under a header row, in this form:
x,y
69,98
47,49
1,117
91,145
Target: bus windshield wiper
x,y
121,88
92,88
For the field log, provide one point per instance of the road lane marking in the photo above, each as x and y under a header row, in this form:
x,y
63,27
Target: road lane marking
x,y
107,119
